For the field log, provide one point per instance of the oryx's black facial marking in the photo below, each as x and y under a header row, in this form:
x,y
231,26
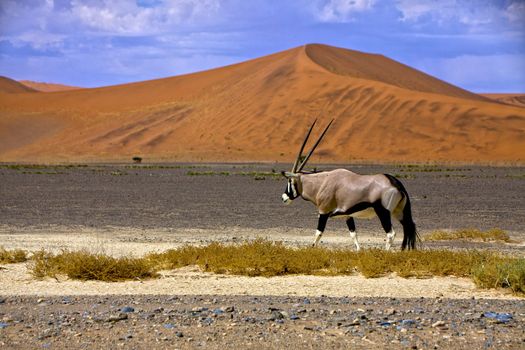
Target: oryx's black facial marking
x,y
291,192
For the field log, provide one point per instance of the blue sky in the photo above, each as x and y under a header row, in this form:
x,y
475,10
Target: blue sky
x,y
476,44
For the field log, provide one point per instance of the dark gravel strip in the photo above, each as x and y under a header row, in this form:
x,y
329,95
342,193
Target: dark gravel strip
x,y
229,322
116,195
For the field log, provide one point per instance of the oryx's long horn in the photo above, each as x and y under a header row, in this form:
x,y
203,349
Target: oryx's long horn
x,y
294,169
314,147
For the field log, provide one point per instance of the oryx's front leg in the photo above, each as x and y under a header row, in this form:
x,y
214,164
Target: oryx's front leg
x,y
321,225
351,226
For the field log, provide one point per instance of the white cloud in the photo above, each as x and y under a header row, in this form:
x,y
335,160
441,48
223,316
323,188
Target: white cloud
x,y
125,17
472,13
342,10
37,39
491,73
110,17
515,12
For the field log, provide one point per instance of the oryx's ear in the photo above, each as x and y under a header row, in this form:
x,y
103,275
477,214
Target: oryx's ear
x,y
288,174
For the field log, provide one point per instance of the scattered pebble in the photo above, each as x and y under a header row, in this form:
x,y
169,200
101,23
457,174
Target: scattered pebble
x,y
118,317
262,321
127,309
502,317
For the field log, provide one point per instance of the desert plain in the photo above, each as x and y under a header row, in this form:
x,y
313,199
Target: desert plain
x,y
124,209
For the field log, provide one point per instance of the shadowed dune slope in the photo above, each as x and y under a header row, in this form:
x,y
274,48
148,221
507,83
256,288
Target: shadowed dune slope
x,y
12,86
259,110
47,87
382,69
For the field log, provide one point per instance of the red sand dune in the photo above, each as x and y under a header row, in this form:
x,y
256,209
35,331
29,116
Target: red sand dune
x,y
259,110
47,87
511,99
12,86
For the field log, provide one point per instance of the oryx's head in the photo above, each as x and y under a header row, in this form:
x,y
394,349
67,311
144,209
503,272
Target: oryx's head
x,y
293,189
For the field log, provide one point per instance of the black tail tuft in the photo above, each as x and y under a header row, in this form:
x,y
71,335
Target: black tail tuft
x,y
410,234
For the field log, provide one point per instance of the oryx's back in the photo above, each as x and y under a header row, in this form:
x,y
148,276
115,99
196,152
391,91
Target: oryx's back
x,y
340,190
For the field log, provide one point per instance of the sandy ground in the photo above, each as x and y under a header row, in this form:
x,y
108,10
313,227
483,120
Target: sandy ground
x,y
17,280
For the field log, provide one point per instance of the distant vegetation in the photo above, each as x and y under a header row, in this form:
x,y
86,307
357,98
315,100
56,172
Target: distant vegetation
x,y
207,173
41,166
520,176
492,235
266,258
257,175
428,168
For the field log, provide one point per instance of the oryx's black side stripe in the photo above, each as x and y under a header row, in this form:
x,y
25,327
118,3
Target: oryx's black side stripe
x,y
382,213
410,234
358,207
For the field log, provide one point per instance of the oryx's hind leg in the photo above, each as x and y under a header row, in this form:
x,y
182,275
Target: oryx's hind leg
x,y
386,221
321,225
351,226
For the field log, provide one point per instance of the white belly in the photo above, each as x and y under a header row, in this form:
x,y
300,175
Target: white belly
x,y
368,213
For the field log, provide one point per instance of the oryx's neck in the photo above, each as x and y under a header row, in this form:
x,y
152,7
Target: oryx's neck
x,y
309,185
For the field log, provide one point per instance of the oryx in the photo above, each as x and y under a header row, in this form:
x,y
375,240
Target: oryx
x,y
344,193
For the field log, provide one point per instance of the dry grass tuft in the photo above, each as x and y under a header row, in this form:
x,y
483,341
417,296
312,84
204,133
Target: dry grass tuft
x,y
506,273
12,256
266,258
471,234
86,266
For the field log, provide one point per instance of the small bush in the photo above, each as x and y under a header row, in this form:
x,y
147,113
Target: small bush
x,y
492,235
12,256
505,273
267,258
86,266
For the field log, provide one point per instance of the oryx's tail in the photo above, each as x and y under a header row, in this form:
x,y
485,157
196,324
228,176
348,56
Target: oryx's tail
x,y
410,235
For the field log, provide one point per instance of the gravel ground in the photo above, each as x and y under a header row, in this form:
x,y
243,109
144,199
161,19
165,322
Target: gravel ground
x,y
99,198
260,322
